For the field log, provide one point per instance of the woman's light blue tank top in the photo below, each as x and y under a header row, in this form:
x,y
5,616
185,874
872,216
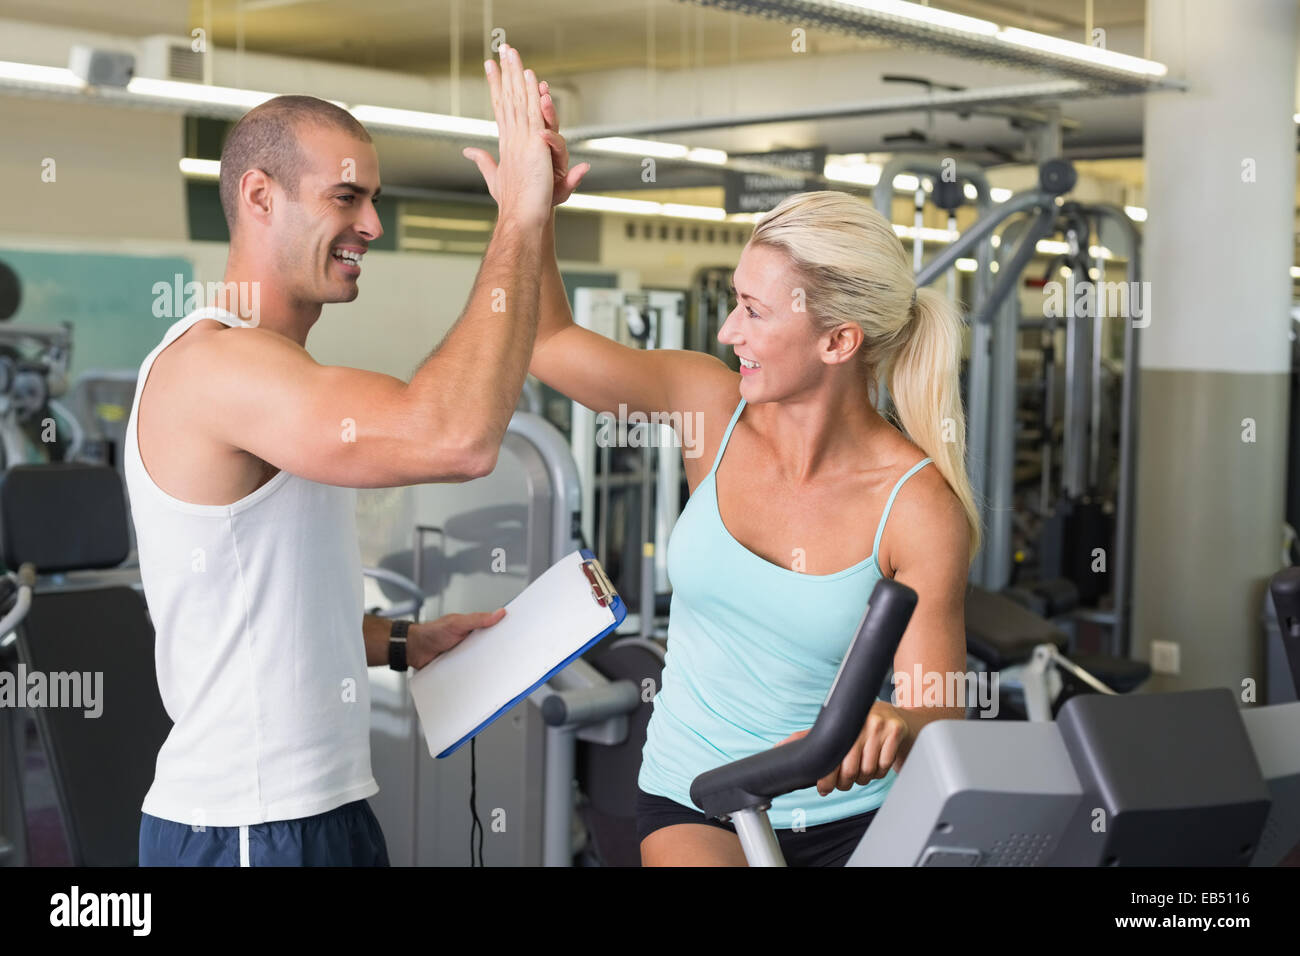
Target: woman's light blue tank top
x,y
752,651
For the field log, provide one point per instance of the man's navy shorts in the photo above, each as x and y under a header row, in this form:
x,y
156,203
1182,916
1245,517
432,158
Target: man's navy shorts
x,y
345,836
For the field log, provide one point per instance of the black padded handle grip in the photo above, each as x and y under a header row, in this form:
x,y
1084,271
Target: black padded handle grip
x,y
754,781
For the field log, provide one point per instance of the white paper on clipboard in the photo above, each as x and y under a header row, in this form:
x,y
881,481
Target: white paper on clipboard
x,y
552,620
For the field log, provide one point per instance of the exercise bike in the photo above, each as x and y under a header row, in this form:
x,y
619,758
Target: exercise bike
x,y
998,793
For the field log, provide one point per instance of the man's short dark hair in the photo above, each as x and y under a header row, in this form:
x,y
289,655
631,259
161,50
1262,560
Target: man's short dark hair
x,y
266,138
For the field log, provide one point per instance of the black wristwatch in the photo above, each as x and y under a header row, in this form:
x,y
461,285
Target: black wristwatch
x,y
397,645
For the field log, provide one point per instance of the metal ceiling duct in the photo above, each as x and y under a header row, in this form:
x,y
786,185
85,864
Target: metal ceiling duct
x,y
873,20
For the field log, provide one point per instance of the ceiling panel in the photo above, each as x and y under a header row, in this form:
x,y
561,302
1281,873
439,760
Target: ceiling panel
x,y
570,36
125,17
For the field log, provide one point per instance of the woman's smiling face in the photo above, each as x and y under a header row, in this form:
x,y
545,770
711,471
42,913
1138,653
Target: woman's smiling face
x,y
770,329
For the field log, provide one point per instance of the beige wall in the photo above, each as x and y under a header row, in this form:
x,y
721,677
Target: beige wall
x,y
115,169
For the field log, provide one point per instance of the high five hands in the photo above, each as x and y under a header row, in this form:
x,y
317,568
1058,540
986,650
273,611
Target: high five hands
x,y
512,86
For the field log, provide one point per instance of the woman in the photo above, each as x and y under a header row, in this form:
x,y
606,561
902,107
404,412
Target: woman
x,y
786,530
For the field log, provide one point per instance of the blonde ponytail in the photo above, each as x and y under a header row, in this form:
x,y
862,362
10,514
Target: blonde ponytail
x,y
857,271
923,385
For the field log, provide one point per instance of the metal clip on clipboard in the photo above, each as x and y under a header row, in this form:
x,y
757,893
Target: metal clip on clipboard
x,y
602,589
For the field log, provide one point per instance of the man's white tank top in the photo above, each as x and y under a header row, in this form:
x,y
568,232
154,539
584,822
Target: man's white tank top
x,y
257,609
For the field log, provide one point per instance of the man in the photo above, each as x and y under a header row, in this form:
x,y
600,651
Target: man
x,y
242,458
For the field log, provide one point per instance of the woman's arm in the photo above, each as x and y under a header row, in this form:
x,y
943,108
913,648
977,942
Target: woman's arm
x,y
927,548
602,374
585,366
928,544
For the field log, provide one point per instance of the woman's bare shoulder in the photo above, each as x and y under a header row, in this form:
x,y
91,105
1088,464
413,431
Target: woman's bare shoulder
x,y
927,519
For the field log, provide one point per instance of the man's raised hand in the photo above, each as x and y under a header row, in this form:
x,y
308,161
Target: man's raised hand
x,y
522,182
563,179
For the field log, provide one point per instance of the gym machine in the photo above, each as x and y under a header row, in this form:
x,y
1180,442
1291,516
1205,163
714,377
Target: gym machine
x,y
1075,523
65,533
1028,650
989,793
100,400
15,589
948,180
631,476
450,548
34,363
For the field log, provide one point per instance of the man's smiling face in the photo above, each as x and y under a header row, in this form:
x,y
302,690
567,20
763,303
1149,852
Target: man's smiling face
x,y
320,235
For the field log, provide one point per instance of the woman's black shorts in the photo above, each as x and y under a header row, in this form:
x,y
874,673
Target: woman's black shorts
x,y
827,844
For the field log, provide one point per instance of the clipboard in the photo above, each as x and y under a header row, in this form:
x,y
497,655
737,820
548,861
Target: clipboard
x,y
552,622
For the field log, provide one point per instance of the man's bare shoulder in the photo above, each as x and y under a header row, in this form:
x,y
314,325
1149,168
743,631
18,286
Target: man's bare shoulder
x,y
181,392
212,337
212,355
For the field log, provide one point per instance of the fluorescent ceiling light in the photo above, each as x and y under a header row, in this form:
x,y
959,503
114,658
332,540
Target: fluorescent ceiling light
x,y
683,211
168,91
196,93
201,168
641,207
851,169
944,25
966,265
998,194
1136,213
628,146
1082,52
703,155
926,15
635,147
610,204
200,93
42,75
417,120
